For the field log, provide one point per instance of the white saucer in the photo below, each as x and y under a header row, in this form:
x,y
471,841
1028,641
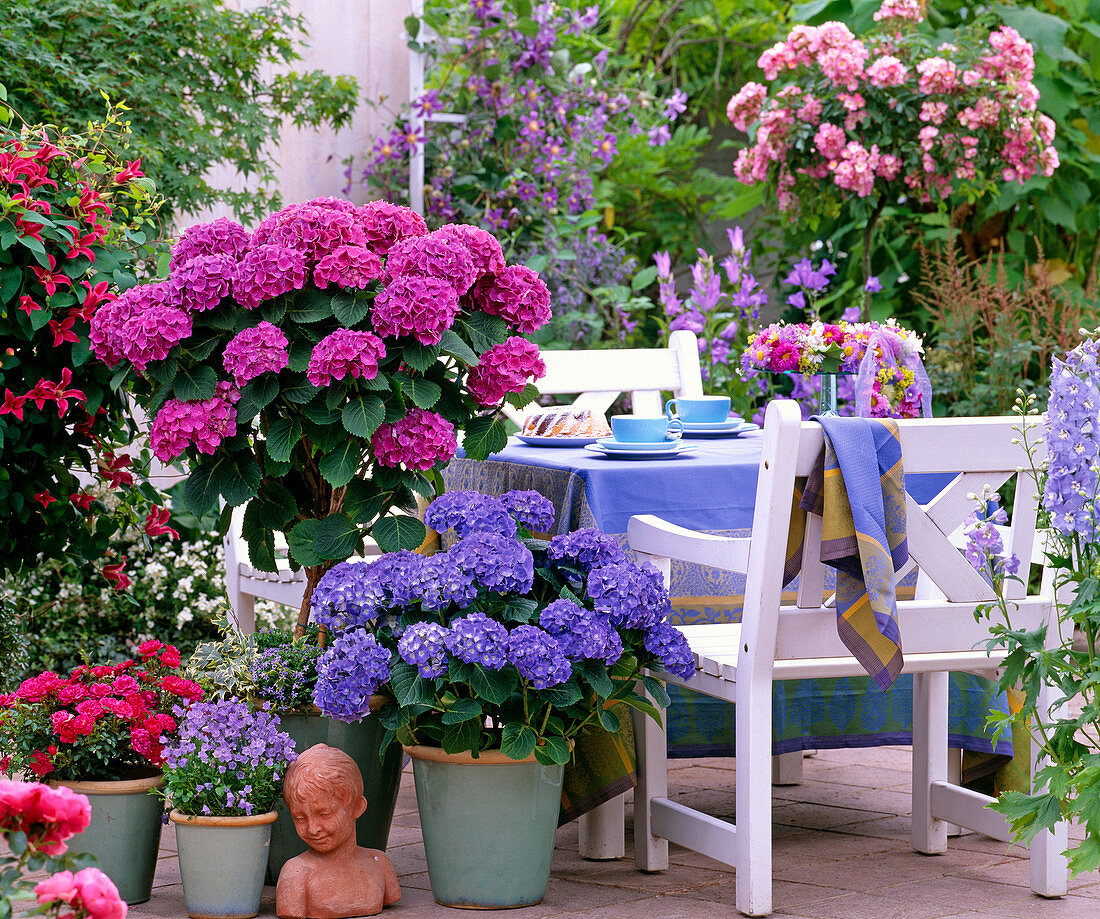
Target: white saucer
x,y
728,424
680,449
720,430
555,441
647,447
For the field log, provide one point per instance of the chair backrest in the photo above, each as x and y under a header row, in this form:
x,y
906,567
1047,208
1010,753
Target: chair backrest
x,y
939,621
601,376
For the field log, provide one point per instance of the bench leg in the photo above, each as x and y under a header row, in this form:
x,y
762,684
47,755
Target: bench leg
x,y
602,831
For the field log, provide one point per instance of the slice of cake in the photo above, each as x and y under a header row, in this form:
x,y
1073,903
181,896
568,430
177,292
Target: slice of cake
x,y
566,422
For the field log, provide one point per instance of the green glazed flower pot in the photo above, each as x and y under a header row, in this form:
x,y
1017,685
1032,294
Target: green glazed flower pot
x,y
124,832
488,824
222,862
381,781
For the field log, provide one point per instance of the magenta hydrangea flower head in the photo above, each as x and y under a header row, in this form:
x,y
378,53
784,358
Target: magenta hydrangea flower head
x,y
217,237
139,326
517,295
414,305
483,246
200,283
345,353
202,424
108,320
266,272
250,352
433,256
505,368
419,440
384,224
313,229
348,266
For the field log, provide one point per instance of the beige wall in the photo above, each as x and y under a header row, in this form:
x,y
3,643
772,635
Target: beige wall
x,y
357,37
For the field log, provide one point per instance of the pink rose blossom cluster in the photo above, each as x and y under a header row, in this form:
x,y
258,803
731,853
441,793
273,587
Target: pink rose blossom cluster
x,y
419,441
517,295
88,894
217,237
976,93
202,424
351,267
262,349
423,307
48,816
505,368
345,353
267,271
436,255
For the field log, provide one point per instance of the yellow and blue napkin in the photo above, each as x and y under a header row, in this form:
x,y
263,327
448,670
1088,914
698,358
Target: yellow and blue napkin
x,y
857,487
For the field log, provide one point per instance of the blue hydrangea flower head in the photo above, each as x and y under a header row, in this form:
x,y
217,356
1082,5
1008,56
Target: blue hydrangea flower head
x,y
496,562
349,595
583,634
348,673
424,644
477,639
469,512
632,596
538,656
586,549
530,510
445,583
668,644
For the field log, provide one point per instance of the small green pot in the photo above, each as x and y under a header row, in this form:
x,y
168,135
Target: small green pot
x,y
488,824
124,832
381,781
222,862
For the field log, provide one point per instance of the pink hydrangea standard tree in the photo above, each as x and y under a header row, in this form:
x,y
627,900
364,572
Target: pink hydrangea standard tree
x,y
899,114
320,369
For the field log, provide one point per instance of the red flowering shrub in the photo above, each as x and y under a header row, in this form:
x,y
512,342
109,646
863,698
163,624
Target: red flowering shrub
x,y
98,723
74,217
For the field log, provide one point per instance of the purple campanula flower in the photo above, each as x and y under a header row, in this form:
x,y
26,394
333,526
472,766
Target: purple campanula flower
x,y
675,105
873,285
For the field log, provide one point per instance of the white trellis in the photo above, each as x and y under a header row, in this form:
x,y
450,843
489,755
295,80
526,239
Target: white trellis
x,y
418,61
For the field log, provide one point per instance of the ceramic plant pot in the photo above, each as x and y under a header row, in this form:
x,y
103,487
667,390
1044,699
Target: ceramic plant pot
x,y
381,781
124,832
488,824
222,863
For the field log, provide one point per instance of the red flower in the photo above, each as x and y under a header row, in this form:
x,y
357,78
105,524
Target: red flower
x,y
63,331
82,243
40,764
113,573
185,689
112,469
93,297
148,648
13,404
83,500
156,523
170,657
49,278
28,304
89,203
29,229
84,725
44,498
132,171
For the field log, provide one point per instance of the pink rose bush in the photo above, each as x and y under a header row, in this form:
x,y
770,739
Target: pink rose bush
x,y
842,117
326,364
46,818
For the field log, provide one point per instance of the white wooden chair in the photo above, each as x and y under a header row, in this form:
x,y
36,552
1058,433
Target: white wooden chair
x,y
738,663
600,376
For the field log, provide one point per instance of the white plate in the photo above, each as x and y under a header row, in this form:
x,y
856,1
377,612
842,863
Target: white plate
x,y
555,441
681,448
651,447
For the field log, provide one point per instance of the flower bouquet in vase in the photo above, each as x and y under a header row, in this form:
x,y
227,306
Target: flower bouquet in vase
x,y
101,731
492,656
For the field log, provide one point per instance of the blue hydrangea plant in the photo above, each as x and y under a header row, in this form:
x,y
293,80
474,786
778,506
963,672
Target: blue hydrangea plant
x,y
503,641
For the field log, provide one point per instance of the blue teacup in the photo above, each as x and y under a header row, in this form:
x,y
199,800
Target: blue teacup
x,y
700,410
630,429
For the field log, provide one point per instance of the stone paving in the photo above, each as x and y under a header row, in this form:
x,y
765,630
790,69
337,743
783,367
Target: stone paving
x,y
841,852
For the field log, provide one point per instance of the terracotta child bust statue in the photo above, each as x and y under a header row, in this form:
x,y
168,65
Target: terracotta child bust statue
x,y
335,878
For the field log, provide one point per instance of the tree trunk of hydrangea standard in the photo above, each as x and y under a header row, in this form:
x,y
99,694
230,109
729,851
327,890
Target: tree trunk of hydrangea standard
x,y
314,573
868,241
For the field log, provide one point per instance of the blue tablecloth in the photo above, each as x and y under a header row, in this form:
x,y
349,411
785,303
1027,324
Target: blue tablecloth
x,y
713,489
